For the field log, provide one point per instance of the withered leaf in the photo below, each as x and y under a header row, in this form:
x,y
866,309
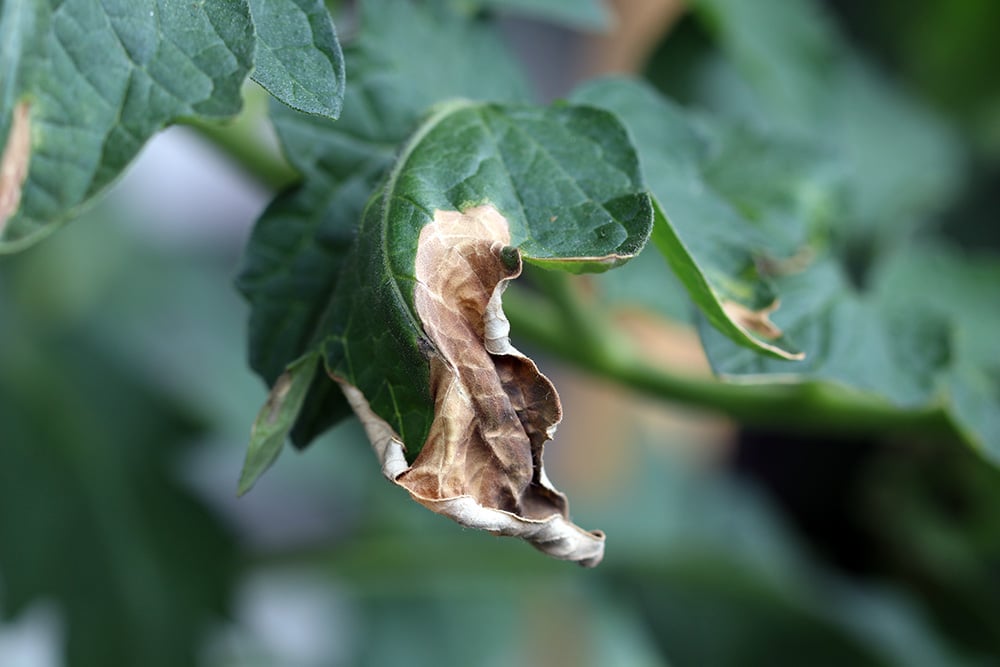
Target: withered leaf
x,y
415,332
481,463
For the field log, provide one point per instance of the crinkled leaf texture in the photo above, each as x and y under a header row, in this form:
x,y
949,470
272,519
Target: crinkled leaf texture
x,y
415,332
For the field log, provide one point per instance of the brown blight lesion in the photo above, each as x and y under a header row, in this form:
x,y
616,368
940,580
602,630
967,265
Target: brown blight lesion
x,y
14,163
481,464
758,324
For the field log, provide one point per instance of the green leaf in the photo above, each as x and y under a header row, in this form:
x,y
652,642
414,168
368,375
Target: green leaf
x,y
402,62
920,338
92,517
566,179
799,74
298,57
849,340
961,288
416,334
722,225
276,418
96,80
788,51
584,15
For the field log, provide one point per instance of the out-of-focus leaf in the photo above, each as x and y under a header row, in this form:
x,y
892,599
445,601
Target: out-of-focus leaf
x,y
902,162
848,339
932,514
721,222
402,62
787,50
696,549
644,283
90,515
298,57
93,82
963,290
921,337
580,14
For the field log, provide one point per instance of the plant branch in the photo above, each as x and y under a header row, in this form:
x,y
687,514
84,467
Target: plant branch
x,y
243,142
804,406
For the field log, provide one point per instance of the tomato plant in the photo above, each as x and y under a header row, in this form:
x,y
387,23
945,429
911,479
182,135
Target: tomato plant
x,y
430,216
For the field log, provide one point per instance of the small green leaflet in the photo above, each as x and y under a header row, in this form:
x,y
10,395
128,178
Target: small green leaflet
x,y
276,418
298,58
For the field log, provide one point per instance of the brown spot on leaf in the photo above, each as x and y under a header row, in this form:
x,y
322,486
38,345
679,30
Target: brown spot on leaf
x,y
14,163
758,322
481,464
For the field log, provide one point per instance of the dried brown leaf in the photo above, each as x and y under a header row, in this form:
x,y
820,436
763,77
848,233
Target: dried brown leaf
x,y
481,464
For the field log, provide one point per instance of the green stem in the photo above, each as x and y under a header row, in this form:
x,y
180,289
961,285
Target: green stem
x,y
590,331
804,406
240,140
566,327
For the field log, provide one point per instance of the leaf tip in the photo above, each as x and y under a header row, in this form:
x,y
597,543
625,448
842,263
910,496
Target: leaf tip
x,y
275,420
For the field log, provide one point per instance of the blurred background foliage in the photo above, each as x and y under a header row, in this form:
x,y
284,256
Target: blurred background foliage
x,y
125,403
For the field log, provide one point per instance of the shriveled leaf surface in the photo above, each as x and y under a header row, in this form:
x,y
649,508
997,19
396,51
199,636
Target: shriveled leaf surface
x,y
561,184
731,203
402,62
99,79
565,183
536,166
298,58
